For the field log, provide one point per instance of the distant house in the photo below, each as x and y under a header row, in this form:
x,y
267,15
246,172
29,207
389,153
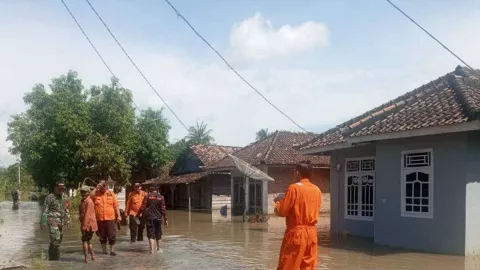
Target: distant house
x,y
407,173
275,156
189,184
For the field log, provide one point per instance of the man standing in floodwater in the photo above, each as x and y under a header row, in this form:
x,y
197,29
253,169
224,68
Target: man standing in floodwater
x,y
154,209
88,222
107,213
55,213
301,206
15,197
132,211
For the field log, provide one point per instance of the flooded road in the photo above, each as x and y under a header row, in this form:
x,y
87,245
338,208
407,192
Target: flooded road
x,y
200,241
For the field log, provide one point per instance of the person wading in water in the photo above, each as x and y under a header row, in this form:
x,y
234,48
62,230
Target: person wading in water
x,y
107,214
15,197
301,206
56,214
154,209
88,222
134,203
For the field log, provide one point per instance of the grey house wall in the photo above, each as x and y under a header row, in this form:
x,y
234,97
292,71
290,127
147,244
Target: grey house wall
x,y
338,223
445,232
472,222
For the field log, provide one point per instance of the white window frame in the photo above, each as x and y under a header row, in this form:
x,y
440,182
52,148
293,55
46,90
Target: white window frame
x,y
425,169
360,173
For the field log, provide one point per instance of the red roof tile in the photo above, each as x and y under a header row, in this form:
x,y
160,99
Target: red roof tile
x,y
453,98
276,149
210,154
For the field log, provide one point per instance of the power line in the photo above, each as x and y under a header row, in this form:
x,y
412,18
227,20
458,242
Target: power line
x,y
433,37
231,67
95,49
135,65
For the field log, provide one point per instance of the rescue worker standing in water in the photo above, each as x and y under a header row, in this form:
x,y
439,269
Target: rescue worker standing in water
x,y
300,206
56,214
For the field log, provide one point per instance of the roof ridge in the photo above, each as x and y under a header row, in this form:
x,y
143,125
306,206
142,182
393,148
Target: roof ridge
x,y
270,147
214,145
461,81
372,115
243,148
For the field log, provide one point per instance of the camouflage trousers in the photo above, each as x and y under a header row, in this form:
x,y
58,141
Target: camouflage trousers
x,y
56,230
56,234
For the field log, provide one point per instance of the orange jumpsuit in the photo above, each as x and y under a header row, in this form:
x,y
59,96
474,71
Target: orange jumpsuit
x,y
300,206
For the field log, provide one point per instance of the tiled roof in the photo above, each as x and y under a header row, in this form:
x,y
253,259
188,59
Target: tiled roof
x,y
453,98
179,179
195,157
210,154
276,149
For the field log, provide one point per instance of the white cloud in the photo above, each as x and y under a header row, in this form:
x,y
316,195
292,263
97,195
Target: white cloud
x,y
256,39
196,91
35,50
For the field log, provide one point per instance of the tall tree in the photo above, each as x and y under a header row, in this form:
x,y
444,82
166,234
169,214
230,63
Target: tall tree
x,y
200,134
262,134
113,115
102,158
46,135
69,133
152,149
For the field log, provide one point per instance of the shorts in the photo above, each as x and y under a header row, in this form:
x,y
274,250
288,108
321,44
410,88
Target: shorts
x,y
154,229
107,231
87,235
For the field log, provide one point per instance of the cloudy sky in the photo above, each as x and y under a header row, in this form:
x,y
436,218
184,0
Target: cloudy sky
x,y
321,62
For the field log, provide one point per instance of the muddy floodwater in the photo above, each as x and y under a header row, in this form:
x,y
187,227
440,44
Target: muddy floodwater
x,y
200,241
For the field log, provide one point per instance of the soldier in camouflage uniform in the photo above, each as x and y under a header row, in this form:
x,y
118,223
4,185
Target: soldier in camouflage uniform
x,y
55,214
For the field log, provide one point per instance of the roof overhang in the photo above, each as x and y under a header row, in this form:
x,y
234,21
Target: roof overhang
x,y
355,141
325,149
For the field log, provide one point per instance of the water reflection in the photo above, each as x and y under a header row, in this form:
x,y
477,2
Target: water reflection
x,y
202,241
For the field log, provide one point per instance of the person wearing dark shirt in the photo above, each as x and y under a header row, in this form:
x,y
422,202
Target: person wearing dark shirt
x,y
154,211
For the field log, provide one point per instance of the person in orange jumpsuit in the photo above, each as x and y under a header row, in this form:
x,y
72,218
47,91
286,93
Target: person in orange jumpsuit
x,y
300,206
132,211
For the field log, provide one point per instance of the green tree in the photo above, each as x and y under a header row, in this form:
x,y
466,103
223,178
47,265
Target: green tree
x,y
46,135
175,149
102,158
200,134
113,115
69,133
262,134
152,150
9,182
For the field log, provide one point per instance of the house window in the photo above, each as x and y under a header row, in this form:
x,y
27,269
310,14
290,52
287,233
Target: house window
x,y
360,188
417,183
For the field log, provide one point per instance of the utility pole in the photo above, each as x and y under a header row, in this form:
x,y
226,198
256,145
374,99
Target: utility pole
x,y
19,173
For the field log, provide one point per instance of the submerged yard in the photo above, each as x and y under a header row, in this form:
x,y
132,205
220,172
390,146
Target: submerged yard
x,y
202,241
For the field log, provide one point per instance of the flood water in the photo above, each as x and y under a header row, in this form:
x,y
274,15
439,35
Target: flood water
x,y
200,241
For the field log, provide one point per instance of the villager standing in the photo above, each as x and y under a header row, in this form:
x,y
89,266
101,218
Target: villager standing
x,y
154,209
108,214
15,197
301,206
132,210
88,222
56,215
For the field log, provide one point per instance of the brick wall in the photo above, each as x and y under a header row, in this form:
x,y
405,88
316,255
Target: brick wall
x,y
284,177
